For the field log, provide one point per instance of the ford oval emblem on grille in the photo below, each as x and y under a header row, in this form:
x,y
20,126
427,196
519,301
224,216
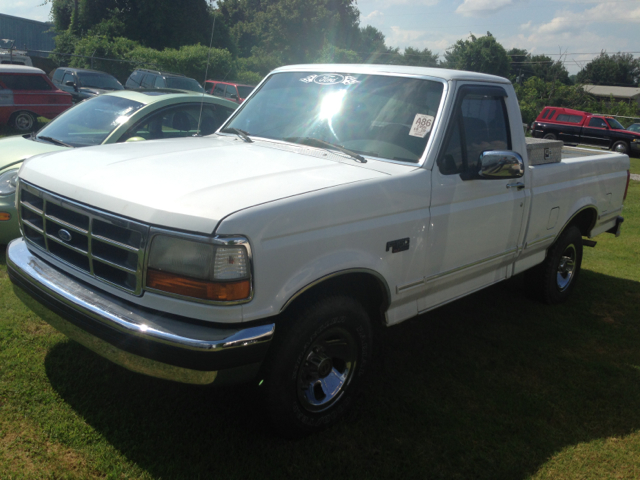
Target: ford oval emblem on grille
x,y
64,235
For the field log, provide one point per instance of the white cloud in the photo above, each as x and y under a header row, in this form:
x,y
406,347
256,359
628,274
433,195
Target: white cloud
x,y
32,9
434,41
389,3
375,15
481,8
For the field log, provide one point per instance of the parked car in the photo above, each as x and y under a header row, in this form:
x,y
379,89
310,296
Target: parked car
x,y
143,78
339,200
574,127
236,92
83,83
635,127
109,118
26,93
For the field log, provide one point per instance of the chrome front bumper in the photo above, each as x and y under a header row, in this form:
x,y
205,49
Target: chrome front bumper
x,y
142,340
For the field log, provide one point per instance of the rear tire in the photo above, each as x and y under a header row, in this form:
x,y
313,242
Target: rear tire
x,y
317,365
620,147
554,279
549,136
23,121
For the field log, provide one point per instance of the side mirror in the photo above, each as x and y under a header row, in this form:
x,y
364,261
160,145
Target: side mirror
x,y
497,165
71,83
234,96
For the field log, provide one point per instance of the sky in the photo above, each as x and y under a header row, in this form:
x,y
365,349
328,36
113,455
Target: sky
x,y
574,31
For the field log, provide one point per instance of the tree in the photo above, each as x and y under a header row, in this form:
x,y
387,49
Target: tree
x,y
483,54
619,69
420,58
524,66
154,23
295,30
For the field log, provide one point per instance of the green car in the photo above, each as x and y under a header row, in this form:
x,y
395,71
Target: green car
x,y
122,116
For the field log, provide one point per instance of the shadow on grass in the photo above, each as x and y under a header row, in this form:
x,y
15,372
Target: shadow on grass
x,y
488,387
3,255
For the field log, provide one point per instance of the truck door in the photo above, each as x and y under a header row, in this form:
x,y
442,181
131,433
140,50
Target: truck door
x,y
475,224
596,132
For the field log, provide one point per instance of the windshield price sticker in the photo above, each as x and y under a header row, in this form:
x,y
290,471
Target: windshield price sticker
x,y
421,125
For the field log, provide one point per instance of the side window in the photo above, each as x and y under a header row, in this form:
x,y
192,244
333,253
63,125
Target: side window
x,y
148,81
25,82
159,82
57,76
218,90
481,124
597,123
231,91
68,77
134,80
546,112
551,114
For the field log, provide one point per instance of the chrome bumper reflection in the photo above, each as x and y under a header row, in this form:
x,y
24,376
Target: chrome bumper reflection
x,y
171,349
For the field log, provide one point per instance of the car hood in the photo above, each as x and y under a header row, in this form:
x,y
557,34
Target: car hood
x,y
190,183
15,149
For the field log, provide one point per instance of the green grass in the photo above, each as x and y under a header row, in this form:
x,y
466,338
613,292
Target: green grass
x,y
494,386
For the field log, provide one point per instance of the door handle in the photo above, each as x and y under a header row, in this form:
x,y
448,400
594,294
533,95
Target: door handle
x,y
518,185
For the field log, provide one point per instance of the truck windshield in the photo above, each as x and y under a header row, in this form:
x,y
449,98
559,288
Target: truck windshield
x,y
615,124
375,115
90,122
99,80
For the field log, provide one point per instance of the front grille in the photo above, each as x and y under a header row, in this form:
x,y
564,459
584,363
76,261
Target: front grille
x,y
104,246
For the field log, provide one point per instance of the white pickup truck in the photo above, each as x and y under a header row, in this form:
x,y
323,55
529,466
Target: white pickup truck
x,y
336,201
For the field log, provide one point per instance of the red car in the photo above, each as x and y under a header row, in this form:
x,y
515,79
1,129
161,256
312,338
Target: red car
x,y
26,93
236,92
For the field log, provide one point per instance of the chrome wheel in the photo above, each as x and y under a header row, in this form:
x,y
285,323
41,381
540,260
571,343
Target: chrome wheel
x,y
620,147
566,267
327,369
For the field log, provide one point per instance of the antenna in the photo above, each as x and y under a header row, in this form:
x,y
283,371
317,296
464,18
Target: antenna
x,y
206,73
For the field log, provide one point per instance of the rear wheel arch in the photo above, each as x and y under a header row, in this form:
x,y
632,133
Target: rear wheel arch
x,y
585,219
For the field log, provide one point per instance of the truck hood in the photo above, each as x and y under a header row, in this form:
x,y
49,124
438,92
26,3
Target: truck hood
x,y
190,183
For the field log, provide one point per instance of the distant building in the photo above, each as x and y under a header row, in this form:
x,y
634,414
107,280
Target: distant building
x,y
630,94
28,34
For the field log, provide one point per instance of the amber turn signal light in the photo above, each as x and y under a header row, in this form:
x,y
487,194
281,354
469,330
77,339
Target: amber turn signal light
x,y
191,287
4,216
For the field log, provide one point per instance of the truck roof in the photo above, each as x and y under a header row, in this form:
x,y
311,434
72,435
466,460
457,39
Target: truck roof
x,y
443,73
19,69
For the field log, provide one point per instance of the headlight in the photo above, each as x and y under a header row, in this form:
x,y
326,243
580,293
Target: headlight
x,y
8,182
201,270
636,140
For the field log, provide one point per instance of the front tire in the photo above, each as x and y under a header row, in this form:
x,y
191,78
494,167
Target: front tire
x,y
317,365
549,136
24,121
620,147
554,279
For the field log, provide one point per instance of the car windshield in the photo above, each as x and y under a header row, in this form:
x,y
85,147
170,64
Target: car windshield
x,y
616,125
99,80
375,115
90,122
634,128
244,91
184,83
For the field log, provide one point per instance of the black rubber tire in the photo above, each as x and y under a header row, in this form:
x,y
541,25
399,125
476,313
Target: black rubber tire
x,y
620,147
550,136
331,317
545,281
23,121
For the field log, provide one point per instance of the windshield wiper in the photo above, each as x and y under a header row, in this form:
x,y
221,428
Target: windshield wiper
x,y
316,142
241,133
55,141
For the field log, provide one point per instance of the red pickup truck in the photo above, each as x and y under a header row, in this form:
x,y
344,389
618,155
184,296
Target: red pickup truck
x,y
574,127
26,94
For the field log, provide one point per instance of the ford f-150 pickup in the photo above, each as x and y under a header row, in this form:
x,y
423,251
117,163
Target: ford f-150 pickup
x,y
336,201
